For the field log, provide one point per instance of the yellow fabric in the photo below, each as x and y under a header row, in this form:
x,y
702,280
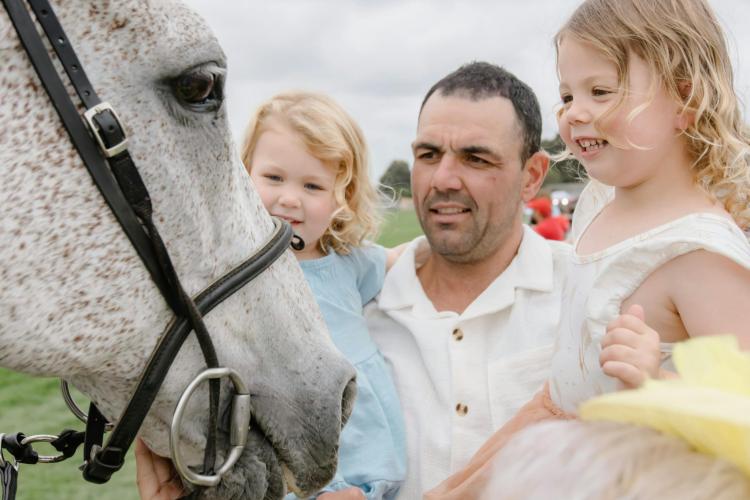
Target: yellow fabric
x,y
708,406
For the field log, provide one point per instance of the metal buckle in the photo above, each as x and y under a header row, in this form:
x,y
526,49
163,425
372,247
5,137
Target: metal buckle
x,y
238,429
89,117
73,406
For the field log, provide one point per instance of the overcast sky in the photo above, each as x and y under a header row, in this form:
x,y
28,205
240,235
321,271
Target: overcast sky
x,y
378,57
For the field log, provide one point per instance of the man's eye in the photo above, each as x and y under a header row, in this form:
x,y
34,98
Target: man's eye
x,y
427,155
477,159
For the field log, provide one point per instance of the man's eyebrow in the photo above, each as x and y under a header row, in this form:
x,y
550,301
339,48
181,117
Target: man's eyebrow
x,y
425,145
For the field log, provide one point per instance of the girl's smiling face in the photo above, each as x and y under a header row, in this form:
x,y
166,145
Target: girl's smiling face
x,y
293,184
621,137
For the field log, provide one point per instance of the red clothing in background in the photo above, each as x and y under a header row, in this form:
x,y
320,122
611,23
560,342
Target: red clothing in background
x,y
551,229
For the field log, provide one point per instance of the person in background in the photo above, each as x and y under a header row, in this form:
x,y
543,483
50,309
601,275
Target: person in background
x,y
544,223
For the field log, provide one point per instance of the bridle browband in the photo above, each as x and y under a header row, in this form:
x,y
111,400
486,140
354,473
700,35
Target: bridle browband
x,y
102,145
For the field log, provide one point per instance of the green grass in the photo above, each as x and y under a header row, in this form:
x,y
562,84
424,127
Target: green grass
x,y
399,226
35,406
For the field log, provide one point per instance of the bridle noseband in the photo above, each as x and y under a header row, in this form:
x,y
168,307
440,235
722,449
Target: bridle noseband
x,y
99,138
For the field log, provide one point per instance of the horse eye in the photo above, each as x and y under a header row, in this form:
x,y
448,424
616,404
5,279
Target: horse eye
x,y
199,89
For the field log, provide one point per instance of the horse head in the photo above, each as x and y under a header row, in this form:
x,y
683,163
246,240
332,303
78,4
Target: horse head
x,y
78,303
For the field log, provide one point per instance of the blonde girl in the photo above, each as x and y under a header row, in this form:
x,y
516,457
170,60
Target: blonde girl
x,y
648,108
308,160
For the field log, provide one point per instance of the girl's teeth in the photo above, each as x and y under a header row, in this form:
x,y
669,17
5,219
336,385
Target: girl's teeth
x,y
591,144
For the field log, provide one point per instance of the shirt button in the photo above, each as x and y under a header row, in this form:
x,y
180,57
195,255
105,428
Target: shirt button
x,y
458,335
462,409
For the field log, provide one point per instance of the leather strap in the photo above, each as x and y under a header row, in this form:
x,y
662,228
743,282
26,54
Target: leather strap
x,y
9,478
158,366
86,147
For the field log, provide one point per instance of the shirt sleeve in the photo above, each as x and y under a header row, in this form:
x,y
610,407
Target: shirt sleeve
x,y
369,262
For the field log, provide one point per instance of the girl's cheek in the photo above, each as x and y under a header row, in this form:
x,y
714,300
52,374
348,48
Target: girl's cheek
x,y
266,197
564,130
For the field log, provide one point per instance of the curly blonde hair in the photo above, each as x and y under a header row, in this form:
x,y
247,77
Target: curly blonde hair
x,y
683,43
331,136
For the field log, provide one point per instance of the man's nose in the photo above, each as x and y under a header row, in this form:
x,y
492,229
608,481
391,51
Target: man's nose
x,y
446,176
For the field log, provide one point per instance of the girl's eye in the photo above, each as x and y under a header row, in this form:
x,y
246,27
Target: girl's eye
x,y
313,187
272,177
600,92
566,98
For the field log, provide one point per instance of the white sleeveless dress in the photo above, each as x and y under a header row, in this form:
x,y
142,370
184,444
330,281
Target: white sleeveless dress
x,y
597,284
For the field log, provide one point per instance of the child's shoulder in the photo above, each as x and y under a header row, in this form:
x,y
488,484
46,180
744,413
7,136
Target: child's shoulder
x,y
362,256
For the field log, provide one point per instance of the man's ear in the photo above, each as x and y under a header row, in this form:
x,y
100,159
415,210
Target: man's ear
x,y
534,172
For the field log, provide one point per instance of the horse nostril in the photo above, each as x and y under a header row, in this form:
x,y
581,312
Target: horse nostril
x,y
347,400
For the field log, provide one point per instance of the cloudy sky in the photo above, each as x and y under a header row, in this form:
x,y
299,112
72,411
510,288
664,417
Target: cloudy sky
x,y
379,57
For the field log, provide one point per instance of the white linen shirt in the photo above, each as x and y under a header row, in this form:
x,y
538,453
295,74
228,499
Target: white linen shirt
x,y
461,376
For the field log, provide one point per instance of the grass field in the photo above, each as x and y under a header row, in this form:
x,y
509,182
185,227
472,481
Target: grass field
x,y
399,226
34,406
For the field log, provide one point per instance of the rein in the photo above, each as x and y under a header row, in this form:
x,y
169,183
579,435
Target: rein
x,y
99,138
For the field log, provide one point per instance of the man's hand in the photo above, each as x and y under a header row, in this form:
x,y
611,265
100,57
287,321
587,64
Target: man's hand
x,y
630,349
156,477
345,494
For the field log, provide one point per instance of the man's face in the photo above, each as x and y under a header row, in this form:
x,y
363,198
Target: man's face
x,y
467,176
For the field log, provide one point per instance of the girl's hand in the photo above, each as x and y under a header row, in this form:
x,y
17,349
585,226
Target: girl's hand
x,y
630,349
345,494
156,477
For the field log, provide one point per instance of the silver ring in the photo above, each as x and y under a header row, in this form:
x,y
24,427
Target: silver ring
x,y
44,438
73,406
240,414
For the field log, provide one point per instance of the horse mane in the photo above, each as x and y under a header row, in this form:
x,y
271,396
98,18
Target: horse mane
x,y
606,460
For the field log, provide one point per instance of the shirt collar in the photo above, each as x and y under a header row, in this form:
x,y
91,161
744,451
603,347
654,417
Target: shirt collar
x,y
531,268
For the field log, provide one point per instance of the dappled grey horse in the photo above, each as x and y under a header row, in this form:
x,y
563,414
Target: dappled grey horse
x,y
78,303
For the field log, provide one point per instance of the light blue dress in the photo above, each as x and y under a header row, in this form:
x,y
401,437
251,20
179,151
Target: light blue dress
x,y
372,448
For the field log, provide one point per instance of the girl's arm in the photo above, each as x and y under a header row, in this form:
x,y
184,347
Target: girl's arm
x,y
711,293
352,493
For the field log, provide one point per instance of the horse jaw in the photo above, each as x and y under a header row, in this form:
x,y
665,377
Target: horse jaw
x,y
77,302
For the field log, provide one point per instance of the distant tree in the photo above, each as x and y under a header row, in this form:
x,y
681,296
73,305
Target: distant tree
x,y
397,177
561,171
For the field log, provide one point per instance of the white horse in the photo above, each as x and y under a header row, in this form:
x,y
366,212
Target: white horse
x,y
76,301
578,460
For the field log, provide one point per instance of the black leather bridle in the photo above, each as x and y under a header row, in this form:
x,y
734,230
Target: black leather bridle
x,y
101,143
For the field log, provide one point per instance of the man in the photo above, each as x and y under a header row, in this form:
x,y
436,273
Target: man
x,y
467,315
